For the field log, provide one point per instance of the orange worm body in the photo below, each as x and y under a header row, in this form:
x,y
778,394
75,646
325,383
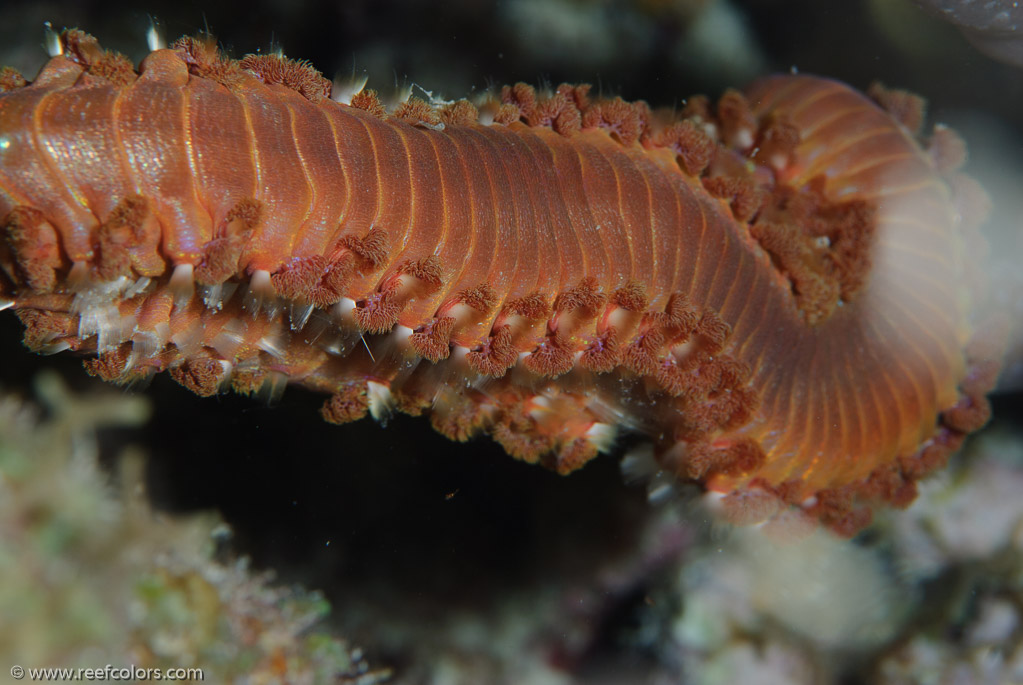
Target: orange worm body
x,y
774,291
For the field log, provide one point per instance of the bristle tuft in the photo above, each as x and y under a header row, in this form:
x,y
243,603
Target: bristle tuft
x,y
298,75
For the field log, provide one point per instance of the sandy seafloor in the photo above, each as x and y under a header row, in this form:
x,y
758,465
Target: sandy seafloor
x,y
451,563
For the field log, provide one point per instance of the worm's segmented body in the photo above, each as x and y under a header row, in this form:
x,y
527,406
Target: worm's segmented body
x,y
771,290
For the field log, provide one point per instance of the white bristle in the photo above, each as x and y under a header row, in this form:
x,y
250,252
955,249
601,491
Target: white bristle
x,y
104,292
99,315
401,333
541,407
189,341
140,378
299,315
5,303
660,490
639,464
712,500
601,436
612,412
261,295
55,347
225,376
146,344
214,296
127,328
106,323
380,401
154,36
272,388
402,94
182,284
342,315
271,346
743,139
54,47
339,342
230,338
138,287
486,117
443,397
344,307
345,89
129,364
434,99
400,97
